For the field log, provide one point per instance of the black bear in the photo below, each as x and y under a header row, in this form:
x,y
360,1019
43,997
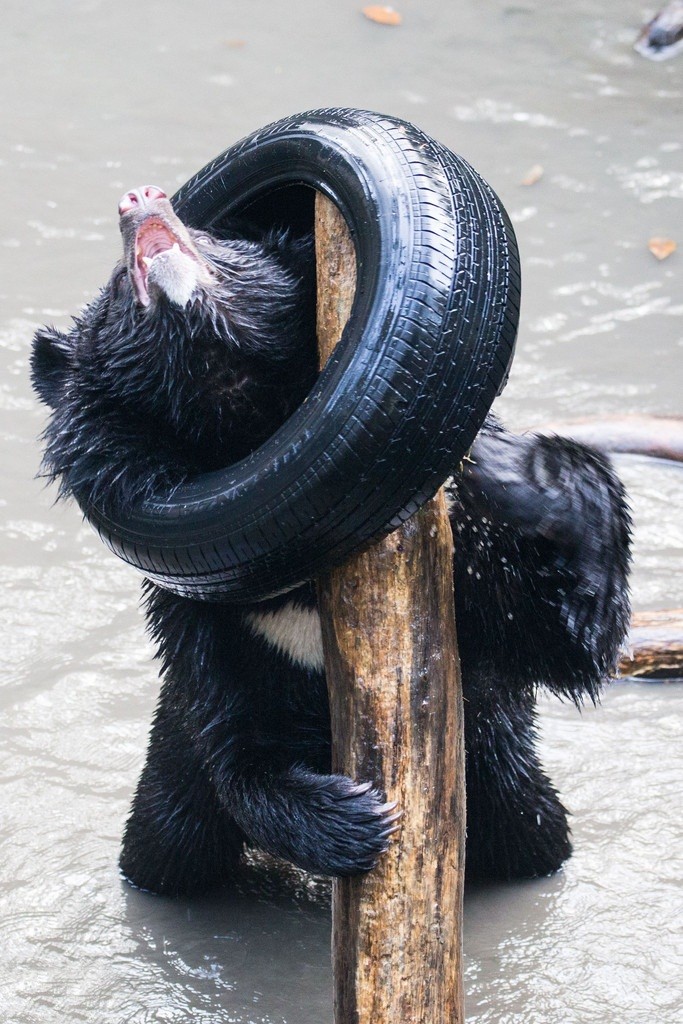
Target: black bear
x,y
195,351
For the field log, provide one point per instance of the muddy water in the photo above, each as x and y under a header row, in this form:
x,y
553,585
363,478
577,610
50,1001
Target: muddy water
x,y
98,97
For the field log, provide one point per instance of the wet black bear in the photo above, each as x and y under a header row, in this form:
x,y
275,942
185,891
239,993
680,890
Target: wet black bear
x,y
194,352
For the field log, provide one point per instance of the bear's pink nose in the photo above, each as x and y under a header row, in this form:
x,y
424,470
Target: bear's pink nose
x,y
139,198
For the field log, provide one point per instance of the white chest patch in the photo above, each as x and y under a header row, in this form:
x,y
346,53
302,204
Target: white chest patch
x,y
294,631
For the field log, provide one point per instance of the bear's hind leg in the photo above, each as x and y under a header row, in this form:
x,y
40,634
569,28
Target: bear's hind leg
x,y
516,824
178,839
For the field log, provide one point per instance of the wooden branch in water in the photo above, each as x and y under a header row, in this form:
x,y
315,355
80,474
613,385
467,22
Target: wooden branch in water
x,y
658,436
396,708
656,645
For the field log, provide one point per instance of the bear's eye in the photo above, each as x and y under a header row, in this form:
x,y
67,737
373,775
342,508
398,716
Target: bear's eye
x,y
118,280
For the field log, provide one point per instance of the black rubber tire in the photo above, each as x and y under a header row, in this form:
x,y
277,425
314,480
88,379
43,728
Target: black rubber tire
x,y
426,350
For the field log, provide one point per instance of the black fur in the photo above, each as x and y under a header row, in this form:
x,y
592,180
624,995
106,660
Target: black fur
x,y
240,747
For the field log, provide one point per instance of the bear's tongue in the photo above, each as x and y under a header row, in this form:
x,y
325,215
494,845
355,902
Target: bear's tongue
x,y
154,239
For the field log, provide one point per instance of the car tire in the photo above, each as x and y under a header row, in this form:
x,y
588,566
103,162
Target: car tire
x,y
426,349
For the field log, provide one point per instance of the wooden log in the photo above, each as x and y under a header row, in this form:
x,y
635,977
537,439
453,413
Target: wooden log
x,y
655,646
396,708
658,436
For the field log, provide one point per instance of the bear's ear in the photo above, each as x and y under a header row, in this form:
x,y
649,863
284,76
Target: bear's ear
x,y
50,364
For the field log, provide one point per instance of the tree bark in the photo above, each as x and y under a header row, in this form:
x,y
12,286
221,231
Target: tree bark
x,y
396,708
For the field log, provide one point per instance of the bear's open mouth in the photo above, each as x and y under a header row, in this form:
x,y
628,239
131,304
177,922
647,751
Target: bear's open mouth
x,y
153,238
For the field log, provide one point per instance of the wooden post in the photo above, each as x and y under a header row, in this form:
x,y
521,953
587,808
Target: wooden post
x,y
394,683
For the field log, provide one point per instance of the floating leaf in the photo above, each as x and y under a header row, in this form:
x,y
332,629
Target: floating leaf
x,y
533,175
382,15
235,44
661,247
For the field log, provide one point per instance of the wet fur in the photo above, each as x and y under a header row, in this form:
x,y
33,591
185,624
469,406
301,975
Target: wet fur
x,y
240,745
